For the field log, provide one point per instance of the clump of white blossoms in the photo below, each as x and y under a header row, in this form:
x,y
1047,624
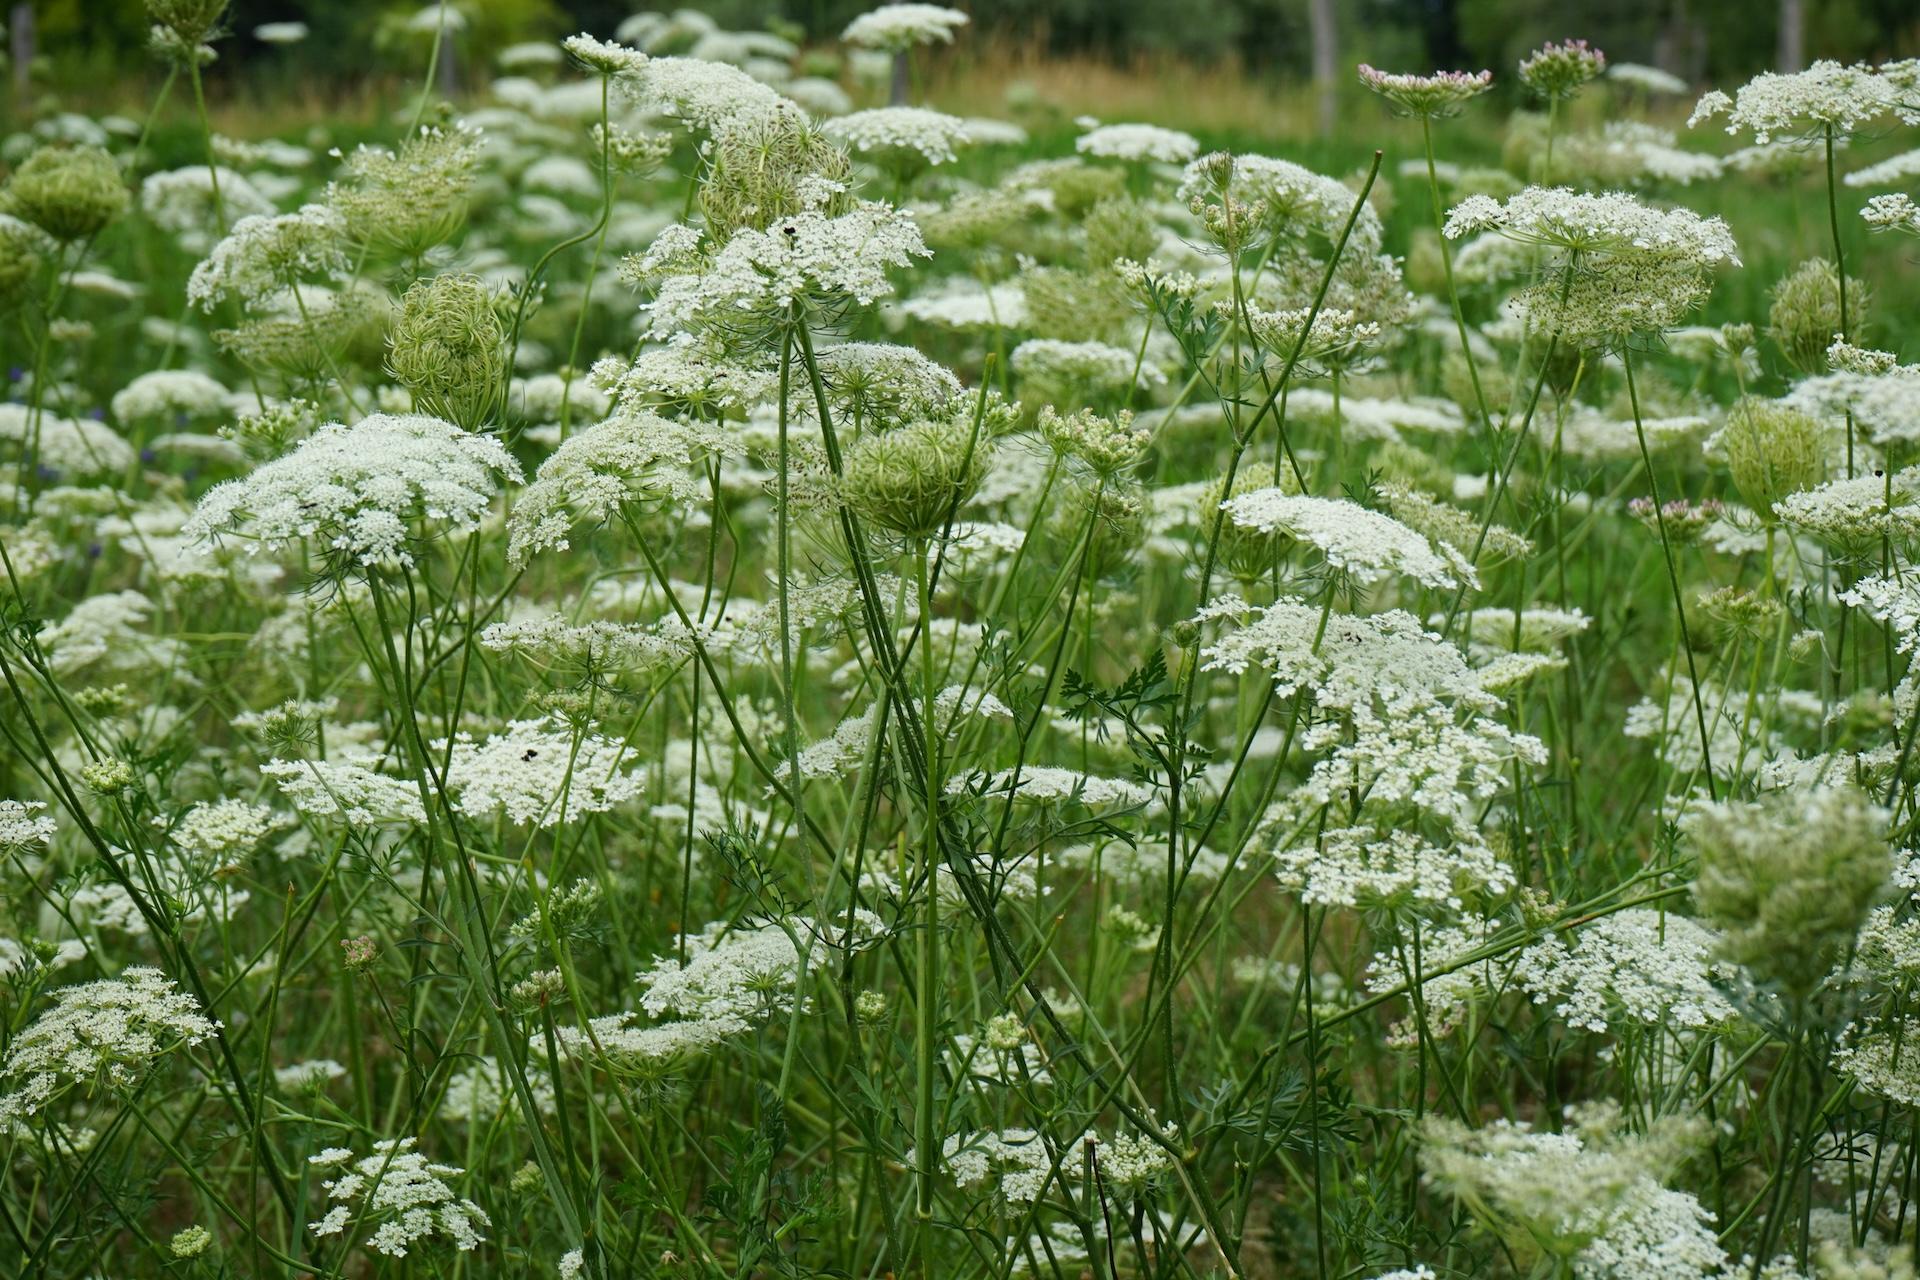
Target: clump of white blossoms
x,y
702,94
263,255
353,790
1827,96
98,1033
361,490
401,1195
1347,660
1555,1193
24,827
1138,142
538,771
1644,966
895,28
1365,544
932,136
1436,96
161,394
1356,866
629,458
760,276
1618,266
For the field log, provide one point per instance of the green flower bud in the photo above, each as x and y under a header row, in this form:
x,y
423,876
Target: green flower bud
x,y
191,1243
1772,451
23,247
450,349
909,481
193,21
1787,879
69,193
771,166
1805,316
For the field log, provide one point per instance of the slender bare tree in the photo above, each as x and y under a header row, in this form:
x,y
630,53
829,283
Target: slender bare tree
x,y
1326,57
1791,53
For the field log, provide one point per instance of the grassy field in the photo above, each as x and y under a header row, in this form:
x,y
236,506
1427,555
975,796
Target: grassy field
x,y
665,670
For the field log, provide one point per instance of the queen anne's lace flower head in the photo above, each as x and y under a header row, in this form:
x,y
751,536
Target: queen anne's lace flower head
x,y
932,136
1558,70
106,1032
630,457
1138,142
540,772
898,27
1826,96
1366,544
360,490
1444,93
404,1197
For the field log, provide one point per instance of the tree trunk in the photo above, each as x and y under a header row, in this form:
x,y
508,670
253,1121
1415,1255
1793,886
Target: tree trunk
x,y
1791,54
898,96
1326,64
20,46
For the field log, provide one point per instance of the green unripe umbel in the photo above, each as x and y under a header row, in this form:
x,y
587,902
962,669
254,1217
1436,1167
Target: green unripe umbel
x,y
71,193
1772,451
772,166
193,21
1788,879
23,247
909,481
450,349
1805,316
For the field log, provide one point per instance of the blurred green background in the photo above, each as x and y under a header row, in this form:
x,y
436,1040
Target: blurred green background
x,y
352,41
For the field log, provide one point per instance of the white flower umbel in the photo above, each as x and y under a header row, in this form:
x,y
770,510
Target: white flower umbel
x,y
898,27
263,255
362,490
1365,544
162,394
1827,95
761,276
1356,659
702,94
934,135
1138,143
632,457
98,1033
404,1197
1642,966
24,827
538,771
1356,866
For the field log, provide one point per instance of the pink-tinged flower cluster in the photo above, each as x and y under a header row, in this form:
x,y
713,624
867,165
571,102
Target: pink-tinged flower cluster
x,y
1558,70
1443,93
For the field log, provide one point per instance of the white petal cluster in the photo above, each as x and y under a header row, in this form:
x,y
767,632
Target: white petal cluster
x,y
539,772
402,1195
361,490
1347,661
351,789
1138,142
898,27
1607,222
627,458
262,255
810,257
106,1032
24,826
1356,866
933,134
1826,95
162,394
1642,966
1366,544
